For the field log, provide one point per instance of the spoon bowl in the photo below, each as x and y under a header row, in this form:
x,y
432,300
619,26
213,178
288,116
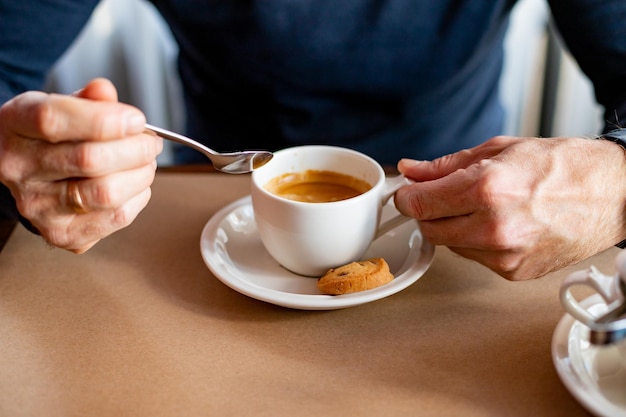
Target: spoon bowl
x,y
228,162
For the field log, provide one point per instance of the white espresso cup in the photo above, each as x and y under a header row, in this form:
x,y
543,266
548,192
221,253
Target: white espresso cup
x,y
310,238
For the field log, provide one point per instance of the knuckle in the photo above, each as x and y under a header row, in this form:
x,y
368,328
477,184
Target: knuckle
x,y
9,171
500,237
101,194
500,234
418,209
56,235
27,206
516,272
122,217
505,264
492,185
12,164
512,261
87,157
47,120
76,237
499,141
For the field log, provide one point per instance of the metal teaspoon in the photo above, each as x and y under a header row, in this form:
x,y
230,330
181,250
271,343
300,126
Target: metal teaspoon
x,y
230,162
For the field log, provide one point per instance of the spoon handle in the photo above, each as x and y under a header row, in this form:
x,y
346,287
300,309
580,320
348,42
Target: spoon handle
x,y
166,134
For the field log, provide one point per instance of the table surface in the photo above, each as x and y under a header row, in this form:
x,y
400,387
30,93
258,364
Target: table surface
x,y
139,326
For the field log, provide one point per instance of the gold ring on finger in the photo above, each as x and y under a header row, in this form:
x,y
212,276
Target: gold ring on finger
x,y
74,198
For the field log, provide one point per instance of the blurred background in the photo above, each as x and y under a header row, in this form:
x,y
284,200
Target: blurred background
x,y
543,90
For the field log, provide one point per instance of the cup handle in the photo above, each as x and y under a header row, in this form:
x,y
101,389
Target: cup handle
x,y
606,286
391,224
392,185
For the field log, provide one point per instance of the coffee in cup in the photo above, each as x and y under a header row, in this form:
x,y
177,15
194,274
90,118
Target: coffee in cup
x,y
314,186
309,238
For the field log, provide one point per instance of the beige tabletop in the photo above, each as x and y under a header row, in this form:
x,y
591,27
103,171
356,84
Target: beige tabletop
x,y
138,326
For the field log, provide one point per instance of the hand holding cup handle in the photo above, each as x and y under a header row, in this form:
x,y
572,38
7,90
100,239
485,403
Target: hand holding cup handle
x,y
392,185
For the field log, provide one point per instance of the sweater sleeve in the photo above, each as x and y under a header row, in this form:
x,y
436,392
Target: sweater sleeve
x,y
595,33
33,35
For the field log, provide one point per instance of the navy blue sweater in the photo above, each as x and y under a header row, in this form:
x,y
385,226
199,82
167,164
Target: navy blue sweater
x,y
392,78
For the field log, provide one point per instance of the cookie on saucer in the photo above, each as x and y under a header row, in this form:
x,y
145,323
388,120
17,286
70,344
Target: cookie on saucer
x,y
355,276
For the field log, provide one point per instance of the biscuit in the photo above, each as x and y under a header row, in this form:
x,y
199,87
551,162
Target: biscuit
x,y
355,276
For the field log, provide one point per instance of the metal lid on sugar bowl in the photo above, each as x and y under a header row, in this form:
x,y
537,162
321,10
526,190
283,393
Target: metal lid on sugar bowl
x,y
610,327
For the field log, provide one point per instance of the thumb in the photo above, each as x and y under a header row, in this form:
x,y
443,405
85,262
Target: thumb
x,y
447,164
99,89
428,170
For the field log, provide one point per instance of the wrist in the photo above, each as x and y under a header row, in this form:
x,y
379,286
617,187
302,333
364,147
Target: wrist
x,y
617,136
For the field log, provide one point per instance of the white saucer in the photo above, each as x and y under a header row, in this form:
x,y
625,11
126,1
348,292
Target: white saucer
x,y
592,374
232,249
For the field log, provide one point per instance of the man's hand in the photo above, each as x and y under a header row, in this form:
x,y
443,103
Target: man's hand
x,y
521,206
79,166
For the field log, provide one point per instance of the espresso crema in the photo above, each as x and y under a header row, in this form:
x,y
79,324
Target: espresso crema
x,y
314,186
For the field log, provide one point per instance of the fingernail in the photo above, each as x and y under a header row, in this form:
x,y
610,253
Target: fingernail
x,y
408,161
